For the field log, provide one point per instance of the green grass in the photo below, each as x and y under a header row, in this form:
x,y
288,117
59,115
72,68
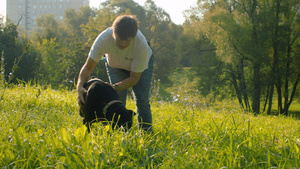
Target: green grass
x,y
41,128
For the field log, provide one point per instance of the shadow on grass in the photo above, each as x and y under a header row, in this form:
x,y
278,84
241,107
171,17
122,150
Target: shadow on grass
x,y
294,113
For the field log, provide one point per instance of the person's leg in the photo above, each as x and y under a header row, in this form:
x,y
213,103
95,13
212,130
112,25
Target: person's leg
x,y
141,93
117,75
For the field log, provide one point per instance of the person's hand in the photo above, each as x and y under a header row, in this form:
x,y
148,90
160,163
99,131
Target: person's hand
x,y
115,87
80,92
109,84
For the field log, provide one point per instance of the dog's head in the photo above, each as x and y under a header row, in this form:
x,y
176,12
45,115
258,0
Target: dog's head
x,y
117,115
121,118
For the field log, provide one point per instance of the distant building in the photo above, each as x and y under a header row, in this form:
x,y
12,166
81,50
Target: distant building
x,y
25,12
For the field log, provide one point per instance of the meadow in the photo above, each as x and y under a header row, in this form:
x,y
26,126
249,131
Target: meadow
x,y
41,128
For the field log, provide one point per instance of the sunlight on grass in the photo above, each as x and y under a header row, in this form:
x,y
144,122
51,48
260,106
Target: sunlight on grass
x,y
42,128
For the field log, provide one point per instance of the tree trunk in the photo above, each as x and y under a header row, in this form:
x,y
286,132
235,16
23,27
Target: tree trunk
x,y
256,59
286,107
267,97
286,85
256,94
241,78
270,96
237,90
243,84
287,102
274,71
279,95
276,58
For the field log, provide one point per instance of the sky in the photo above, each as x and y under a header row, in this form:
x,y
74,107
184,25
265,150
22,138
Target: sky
x,y
175,8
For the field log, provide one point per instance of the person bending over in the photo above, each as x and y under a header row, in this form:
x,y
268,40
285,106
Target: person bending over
x,y
129,63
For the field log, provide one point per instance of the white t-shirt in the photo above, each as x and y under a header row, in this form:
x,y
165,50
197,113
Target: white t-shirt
x,y
134,58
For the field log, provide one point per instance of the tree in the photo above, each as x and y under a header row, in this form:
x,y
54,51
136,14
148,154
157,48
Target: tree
x,y
246,35
230,32
18,54
286,50
47,28
62,45
74,46
74,20
163,36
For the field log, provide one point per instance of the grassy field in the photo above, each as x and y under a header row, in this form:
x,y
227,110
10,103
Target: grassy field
x,y
41,128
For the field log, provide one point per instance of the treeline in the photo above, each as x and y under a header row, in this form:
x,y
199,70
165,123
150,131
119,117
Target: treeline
x,y
243,49
249,47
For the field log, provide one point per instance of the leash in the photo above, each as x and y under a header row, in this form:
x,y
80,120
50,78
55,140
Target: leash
x,y
108,105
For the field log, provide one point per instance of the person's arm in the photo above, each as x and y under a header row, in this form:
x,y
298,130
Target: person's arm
x,y
83,77
130,81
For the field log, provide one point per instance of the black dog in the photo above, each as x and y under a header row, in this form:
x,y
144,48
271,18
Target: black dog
x,y
102,103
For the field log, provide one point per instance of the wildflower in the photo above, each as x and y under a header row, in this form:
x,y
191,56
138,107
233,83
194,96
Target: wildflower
x,y
175,98
121,154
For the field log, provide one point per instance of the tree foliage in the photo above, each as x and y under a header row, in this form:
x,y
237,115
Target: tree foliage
x,y
14,49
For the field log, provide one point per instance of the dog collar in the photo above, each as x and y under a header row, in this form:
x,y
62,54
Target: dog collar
x,y
109,104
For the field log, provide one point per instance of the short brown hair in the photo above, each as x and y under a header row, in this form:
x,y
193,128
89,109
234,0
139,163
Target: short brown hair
x,y
125,26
